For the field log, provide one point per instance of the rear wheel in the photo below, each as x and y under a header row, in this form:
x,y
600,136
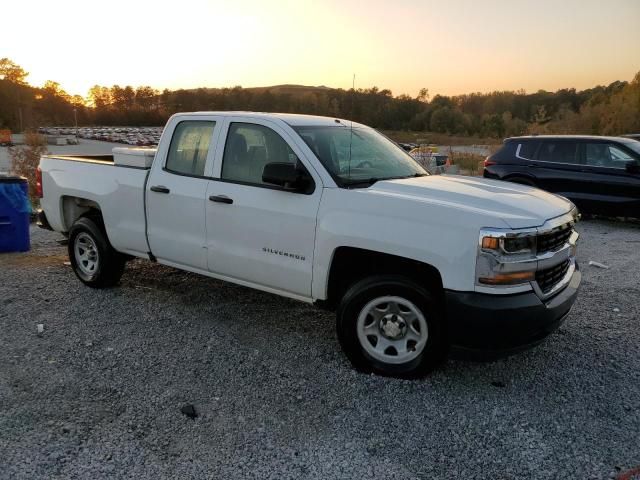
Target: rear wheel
x,y
92,257
391,326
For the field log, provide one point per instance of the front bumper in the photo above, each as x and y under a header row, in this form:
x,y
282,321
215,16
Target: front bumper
x,y
504,324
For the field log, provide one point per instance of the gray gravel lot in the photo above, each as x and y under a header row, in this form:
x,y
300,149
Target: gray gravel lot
x,y
99,393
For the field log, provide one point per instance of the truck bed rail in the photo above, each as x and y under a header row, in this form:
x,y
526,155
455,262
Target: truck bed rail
x,y
102,159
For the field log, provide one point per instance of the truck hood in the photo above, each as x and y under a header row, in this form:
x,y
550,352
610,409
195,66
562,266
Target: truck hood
x,y
519,206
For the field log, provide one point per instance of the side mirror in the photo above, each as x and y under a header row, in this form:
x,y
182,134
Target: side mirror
x,y
633,166
290,176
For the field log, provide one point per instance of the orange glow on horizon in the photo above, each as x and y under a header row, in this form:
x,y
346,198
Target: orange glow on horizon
x,y
451,47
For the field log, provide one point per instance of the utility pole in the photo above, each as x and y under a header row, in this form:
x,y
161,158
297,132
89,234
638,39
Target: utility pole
x,y
75,116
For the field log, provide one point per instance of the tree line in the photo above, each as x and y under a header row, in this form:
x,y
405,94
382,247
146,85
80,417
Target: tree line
x,y
612,109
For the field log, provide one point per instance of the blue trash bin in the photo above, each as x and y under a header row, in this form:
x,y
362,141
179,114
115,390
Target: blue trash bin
x,y
15,210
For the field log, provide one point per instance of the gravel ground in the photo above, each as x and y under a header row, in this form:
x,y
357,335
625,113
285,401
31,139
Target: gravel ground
x,y
98,394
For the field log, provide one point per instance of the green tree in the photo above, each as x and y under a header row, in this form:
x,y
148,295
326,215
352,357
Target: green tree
x,y
423,95
12,72
100,97
540,115
441,120
493,126
145,97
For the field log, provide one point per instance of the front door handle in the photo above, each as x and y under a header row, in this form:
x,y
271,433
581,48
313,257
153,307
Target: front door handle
x,y
160,189
221,199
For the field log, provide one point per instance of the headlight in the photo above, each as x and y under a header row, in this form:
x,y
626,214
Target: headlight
x,y
506,258
510,245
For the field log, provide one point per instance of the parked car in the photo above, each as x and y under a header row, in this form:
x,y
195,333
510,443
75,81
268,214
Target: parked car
x,y
430,159
633,136
598,174
330,213
408,146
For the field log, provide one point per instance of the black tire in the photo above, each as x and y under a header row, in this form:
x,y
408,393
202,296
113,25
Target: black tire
x,y
109,264
367,290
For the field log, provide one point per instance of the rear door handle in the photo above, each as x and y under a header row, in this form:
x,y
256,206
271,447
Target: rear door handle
x,y
221,199
160,189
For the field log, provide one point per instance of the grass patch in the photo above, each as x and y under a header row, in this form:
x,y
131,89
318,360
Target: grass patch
x,y
469,163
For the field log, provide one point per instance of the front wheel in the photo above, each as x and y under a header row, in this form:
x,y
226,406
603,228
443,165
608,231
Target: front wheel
x,y
93,259
391,326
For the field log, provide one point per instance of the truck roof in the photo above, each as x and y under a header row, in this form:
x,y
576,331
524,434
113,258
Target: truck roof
x,y
293,119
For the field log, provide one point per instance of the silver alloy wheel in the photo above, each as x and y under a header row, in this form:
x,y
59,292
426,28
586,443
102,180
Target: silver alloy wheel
x,y
86,253
392,329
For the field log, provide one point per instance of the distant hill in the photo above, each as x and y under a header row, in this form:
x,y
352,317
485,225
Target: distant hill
x,y
602,110
291,89
287,89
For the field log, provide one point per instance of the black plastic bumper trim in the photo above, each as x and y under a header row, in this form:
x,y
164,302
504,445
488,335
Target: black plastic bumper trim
x,y
504,324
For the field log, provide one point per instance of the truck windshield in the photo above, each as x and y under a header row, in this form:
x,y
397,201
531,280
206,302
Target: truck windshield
x,y
358,158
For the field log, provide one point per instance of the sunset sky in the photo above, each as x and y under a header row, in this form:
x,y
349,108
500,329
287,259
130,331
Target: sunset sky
x,y
448,46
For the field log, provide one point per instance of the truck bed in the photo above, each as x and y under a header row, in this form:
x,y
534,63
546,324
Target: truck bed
x,y
140,158
73,182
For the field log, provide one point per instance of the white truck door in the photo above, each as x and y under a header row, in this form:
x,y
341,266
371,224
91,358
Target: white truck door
x,y
176,193
259,233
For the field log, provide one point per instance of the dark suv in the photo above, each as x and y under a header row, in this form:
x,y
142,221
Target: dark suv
x,y
598,174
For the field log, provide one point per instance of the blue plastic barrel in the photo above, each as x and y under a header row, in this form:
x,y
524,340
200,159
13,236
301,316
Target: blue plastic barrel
x,y
14,214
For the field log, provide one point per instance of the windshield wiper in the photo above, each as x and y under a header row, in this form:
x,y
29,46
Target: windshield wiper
x,y
365,183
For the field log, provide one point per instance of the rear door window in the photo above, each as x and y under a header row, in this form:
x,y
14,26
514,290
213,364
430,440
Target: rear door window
x,y
189,147
558,152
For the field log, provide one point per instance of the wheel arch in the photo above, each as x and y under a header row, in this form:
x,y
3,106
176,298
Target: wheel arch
x,y
73,208
351,264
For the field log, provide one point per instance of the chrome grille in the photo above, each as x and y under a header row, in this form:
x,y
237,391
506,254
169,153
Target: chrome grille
x,y
549,277
549,242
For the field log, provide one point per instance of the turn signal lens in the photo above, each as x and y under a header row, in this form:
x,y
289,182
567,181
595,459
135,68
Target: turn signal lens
x,y
513,278
490,243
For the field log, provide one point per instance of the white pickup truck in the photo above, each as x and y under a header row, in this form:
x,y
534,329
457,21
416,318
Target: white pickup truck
x,y
325,211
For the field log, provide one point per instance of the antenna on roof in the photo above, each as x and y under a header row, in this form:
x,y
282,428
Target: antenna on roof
x,y
353,93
